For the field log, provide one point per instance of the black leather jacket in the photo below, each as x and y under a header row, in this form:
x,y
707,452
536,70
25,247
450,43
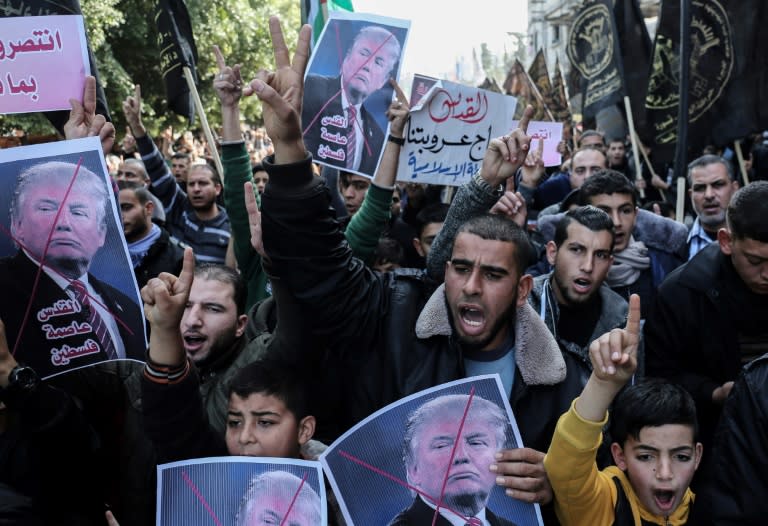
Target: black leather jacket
x,y
384,335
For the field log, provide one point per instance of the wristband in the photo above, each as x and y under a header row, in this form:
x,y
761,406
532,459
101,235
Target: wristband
x,y
397,140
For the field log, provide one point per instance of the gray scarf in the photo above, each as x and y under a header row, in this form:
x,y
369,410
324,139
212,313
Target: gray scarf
x,y
628,264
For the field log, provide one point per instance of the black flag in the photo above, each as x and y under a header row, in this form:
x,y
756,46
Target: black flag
x,y
594,52
636,47
177,49
728,68
10,8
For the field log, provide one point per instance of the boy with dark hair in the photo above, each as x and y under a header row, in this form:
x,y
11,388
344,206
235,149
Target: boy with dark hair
x,y
430,220
647,247
653,431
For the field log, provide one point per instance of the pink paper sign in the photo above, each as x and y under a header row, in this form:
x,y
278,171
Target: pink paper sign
x,y
549,132
43,62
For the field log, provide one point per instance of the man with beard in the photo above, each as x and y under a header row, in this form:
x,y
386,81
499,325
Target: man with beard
x,y
194,217
711,185
151,248
212,329
391,335
428,443
573,300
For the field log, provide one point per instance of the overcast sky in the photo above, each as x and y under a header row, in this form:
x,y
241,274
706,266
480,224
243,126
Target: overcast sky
x,y
443,31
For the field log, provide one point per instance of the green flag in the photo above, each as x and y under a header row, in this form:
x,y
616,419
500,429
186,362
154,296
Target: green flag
x,y
315,13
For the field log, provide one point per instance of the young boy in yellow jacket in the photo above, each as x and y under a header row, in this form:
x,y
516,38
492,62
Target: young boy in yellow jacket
x,y
653,430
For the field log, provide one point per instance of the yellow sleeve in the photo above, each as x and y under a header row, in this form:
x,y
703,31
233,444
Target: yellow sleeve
x,y
583,495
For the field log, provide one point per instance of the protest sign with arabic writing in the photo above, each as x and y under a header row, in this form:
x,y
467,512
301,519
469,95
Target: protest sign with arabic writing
x,y
408,455
241,490
449,130
347,90
549,132
69,292
44,61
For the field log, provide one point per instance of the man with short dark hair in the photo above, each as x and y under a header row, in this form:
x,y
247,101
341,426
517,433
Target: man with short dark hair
x,y
573,299
711,314
431,219
194,217
592,139
133,171
151,248
429,440
644,252
711,185
617,156
180,162
584,162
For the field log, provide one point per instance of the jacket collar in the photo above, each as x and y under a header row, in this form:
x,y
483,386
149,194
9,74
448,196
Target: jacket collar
x,y
537,355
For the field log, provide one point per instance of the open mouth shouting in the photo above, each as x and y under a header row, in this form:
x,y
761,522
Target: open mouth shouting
x,y
193,341
472,318
665,500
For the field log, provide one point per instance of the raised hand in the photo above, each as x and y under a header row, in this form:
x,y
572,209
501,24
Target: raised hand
x,y
280,92
84,122
254,219
398,111
511,204
614,354
505,154
165,297
132,111
228,83
533,167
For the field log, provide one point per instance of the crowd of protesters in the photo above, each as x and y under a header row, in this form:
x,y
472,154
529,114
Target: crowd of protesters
x,y
633,347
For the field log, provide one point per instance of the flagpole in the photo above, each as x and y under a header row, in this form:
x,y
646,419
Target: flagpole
x,y
740,157
682,109
633,137
204,121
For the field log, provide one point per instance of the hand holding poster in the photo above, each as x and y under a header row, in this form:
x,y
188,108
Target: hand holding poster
x,y
44,62
347,93
69,293
241,491
449,131
427,460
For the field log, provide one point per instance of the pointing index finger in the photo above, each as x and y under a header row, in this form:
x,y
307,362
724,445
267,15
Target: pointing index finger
x,y
526,119
187,269
633,317
137,94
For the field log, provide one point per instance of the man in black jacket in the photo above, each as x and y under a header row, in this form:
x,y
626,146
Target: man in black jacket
x,y
151,248
479,321
740,453
711,315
